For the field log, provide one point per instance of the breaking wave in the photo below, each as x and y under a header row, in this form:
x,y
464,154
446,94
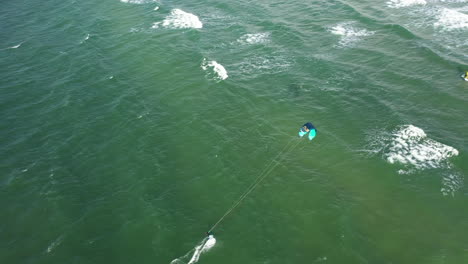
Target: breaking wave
x,y
410,146
179,19
449,19
214,70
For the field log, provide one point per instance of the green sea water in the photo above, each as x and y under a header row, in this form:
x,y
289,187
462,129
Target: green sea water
x,y
122,141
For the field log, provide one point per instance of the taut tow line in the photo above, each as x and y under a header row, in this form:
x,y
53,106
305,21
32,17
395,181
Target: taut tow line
x,y
268,169
209,241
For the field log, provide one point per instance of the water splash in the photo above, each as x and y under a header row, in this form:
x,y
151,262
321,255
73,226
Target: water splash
x,y
13,47
193,255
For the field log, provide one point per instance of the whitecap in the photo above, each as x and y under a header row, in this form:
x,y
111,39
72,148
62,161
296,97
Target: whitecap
x,y
138,2
349,33
256,38
405,3
450,19
214,70
179,19
410,146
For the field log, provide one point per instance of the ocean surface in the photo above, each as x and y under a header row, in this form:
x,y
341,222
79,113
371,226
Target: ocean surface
x,y
130,127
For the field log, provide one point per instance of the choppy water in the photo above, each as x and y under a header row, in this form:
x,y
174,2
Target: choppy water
x,y
129,127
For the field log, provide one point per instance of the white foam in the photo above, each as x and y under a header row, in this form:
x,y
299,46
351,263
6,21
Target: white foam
x,y
13,47
256,38
54,244
203,247
16,46
451,183
254,65
179,19
405,3
214,69
450,19
410,146
138,2
453,1
209,244
85,39
349,33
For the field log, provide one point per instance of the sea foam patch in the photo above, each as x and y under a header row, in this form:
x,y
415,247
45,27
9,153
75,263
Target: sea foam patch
x,y
349,33
256,38
405,3
214,70
451,182
179,19
137,1
264,64
410,146
450,19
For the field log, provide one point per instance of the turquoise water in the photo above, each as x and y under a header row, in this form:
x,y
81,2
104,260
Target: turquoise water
x,y
127,132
